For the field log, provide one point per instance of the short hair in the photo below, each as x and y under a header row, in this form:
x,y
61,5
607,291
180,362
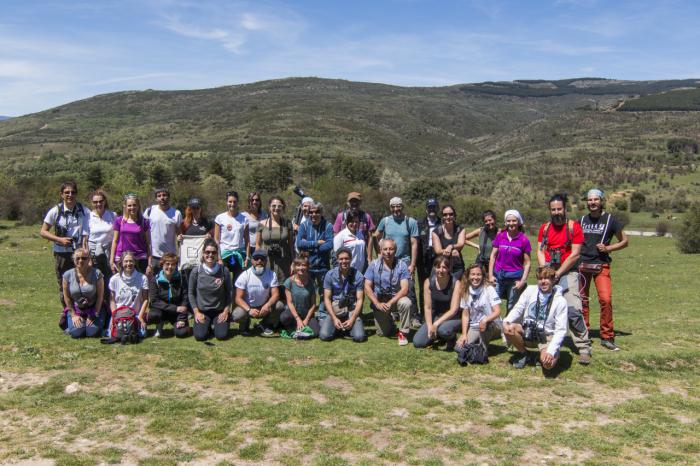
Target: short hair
x,y
161,190
232,194
351,217
71,184
545,272
317,206
81,250
442,260
343,250
386,240
300,259
169,257
558,197
488,213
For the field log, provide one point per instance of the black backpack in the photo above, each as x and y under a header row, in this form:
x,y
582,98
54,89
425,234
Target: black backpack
x,y
472,353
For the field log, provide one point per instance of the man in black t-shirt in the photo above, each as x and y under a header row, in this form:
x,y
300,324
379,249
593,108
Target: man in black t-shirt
x,y
599,227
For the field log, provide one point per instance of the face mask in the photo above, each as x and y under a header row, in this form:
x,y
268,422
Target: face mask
x,y
258,270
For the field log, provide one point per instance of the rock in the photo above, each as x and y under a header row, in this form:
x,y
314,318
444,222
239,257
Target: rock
x,y
72,388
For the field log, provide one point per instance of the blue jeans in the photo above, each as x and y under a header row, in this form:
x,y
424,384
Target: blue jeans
x,y
505,287
85,330
329,332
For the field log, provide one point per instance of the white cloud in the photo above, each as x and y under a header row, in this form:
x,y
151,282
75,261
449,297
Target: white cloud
x,y
19,69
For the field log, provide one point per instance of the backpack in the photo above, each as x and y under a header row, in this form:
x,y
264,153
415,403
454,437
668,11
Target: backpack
x,y
472,353
569,235
125,326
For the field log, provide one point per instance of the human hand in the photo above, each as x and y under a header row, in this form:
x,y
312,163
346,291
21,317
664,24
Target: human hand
x,y
300,323
432,331
65,242
179,238
338,324
77,320
482,325
461,342
601,247
223,317
198,317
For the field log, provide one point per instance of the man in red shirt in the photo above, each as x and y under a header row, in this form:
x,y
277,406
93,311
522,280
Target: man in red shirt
x,y
559,246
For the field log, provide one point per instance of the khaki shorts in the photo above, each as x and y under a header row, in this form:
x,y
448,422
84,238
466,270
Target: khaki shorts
x,y
537,344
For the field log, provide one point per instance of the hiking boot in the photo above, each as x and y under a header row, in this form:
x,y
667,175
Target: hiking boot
x,y
267,331
450,346
244,330
609,344
403,341
584,359
520,360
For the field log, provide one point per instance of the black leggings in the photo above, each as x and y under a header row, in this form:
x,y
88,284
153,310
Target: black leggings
x,y
156,316
202,330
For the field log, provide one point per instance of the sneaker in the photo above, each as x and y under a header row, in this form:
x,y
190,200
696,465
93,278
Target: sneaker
x,y
403,341
520,360
450,346
609,344
267,331
244,330
159,329
584,359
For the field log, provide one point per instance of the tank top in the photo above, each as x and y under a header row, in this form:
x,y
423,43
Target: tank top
x,y
457,263
441,299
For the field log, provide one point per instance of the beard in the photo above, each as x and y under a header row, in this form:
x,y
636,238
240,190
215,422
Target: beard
x,y
259,270
559,218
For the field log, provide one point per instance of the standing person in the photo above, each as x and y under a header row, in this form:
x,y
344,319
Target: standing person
x,y
165,222
302,213
403,230
71,224
316,238
101,234
481,309
129,288
195,228
538,320
255,214
276,236
301,300
365,226
258,296
83,290
209,294
343,296
599,227
231,234
441,309
426,254
448,241
131,233
167,296
351,238
486,233
509,265
386,286
559,246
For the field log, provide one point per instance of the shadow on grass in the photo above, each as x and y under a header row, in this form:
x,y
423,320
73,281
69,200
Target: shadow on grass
x,y
565,361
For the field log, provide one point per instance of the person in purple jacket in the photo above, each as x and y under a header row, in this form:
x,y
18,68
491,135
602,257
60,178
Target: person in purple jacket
x,y
131,233
510,259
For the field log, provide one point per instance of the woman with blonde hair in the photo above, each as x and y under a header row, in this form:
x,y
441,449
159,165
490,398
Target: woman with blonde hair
x,y
131,233
83,292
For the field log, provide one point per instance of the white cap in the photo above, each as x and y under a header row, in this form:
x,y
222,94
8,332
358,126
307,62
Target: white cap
x,y
513,213
306,199
395,201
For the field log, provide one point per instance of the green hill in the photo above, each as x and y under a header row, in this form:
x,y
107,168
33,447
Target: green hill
x,y
676,100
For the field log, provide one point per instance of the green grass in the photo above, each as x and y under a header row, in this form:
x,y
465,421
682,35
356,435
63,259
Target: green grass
x,y
260,400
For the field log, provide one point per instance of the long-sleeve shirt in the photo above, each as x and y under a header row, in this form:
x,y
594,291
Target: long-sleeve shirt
x,y
209,292
167,296
307,240
556,324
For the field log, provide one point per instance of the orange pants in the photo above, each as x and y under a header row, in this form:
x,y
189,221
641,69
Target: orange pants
x,y
603,284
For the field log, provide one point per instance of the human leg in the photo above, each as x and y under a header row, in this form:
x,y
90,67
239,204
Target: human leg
x,y
201,329
384,321
405,309
577,325
584,291
421,339
603,284
328,330
447,331
63,262
357,332
221,329
287,320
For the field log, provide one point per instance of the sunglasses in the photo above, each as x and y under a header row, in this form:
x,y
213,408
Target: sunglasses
x,y
448,214
70,192
210,253
98,202
81,258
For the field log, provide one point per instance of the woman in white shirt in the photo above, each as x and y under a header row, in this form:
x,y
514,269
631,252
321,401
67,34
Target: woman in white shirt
x,y
481,309
101,234
231,234
351,238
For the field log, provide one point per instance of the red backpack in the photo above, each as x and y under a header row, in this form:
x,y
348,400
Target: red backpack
x,y
125,326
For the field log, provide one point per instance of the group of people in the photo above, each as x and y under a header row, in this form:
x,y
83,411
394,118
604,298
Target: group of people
x,y
306,277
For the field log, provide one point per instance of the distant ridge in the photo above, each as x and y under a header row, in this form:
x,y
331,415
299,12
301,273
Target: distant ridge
x,y
3,117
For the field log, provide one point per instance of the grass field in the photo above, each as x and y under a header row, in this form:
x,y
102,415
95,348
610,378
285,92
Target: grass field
x,y
273,401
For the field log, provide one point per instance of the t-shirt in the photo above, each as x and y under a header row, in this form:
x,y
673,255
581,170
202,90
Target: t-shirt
x,y
87,290
301,295
253,225
74,223
400,230
384,279
356,245
334,282
200,228
257,288
164,227
598,230
131,237
232,229
101,232
480,304
556,238
127,290
510,255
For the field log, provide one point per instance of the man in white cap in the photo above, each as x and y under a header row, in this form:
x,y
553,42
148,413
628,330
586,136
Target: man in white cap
x,y
599,227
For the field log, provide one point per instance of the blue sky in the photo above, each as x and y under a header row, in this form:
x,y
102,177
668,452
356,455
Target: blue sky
x,y
54,52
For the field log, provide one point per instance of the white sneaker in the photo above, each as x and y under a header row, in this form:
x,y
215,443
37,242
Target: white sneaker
x,y
403,341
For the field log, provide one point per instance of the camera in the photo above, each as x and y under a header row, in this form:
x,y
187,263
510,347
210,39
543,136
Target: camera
x,y
554,258
274,249
345,301
534,331
299,192
384,295
82,303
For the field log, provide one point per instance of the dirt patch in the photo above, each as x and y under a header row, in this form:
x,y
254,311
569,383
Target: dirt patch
x,y
318,397
13,380
338,384
6,302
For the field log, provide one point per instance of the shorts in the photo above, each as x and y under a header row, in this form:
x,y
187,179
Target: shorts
x,y
540,346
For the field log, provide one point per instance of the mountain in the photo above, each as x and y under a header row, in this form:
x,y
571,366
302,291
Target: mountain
x,y
3,117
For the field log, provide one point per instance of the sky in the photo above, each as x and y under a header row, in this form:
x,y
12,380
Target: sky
x,y
55,52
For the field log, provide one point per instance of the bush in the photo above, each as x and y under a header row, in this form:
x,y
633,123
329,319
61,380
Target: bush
x,y
637,202
620,204
622,216
661,228
688,232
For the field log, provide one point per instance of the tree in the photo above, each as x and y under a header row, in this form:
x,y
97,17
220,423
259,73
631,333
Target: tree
x,y
159,175
95,177
425,188
688,233
314,168
186,170
637,201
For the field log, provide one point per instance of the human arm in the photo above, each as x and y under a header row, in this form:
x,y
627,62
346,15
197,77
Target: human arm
x,y
414,254
217,238
327,301
470,235
45,233
77,320
228,291
428,309
492,265
622,243
559,309
113,250
541,258
327,238
302,243
274,297
459,245
246,238
569,262
359,301
144,306
258,237
454,305
293,308
437,245
465,325
522,283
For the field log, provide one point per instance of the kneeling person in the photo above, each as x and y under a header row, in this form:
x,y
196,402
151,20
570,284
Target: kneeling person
x,y
301,305
481,309
343,297
257,296
209,294
538,320
167,297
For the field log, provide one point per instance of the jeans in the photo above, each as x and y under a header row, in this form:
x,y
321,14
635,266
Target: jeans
x,y
289,323
505,288
603,284
85,330
446,331
202,330
157,316
329,332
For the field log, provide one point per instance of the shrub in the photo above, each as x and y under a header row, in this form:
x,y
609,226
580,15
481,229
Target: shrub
x,y
661,228
620,204
688,233
637,201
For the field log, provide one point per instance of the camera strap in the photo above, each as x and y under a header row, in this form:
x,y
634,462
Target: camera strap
x,y
391,274
539,306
